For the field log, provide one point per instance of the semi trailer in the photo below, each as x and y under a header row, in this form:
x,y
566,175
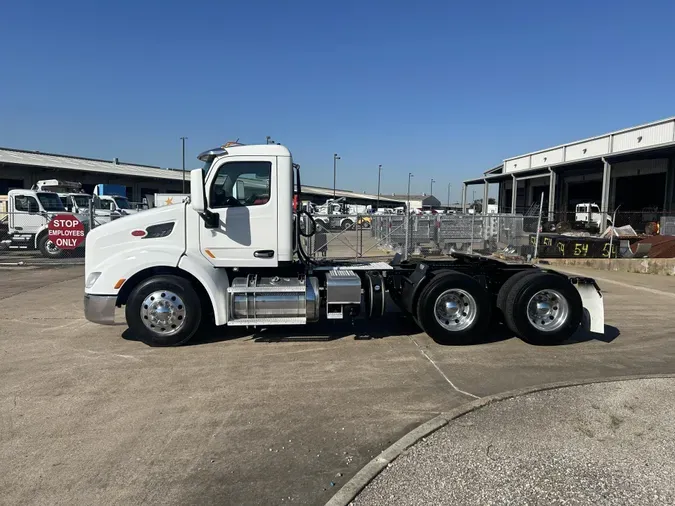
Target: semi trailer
x,y
233,254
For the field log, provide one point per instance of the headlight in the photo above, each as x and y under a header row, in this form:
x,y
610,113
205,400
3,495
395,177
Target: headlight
x,y
91,279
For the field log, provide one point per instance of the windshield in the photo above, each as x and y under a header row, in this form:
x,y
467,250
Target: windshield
x,y
82,200
51,202
122,202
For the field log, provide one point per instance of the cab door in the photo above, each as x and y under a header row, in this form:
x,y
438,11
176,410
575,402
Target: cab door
x,y
242,190
24,214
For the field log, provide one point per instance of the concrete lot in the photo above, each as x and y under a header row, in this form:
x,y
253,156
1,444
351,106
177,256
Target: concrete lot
x,y
87,416
601,444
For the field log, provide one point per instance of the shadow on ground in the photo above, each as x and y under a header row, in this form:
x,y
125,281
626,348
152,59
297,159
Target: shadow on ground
x,y
393,325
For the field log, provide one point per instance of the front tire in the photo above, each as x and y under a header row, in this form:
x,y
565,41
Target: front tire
x,y
543,309
454,309
164,311
346,224
48,248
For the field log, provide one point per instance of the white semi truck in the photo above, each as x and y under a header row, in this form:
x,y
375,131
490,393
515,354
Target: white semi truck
x,y
28,215
234,253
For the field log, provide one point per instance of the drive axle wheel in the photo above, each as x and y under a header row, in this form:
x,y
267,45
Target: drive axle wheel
x,y
454,309
163,311
543,309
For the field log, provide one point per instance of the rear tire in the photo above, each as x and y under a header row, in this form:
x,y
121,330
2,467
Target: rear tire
x,y
454,309
543,309
510,283
164,311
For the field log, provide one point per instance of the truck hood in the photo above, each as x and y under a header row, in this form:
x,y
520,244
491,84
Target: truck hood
x,y
130,238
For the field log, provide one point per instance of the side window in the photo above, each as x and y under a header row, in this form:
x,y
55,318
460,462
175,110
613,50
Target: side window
x,y
241,184
103,204
26,204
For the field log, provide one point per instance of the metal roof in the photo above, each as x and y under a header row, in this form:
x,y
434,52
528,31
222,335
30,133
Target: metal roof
x,y
66,162
54,161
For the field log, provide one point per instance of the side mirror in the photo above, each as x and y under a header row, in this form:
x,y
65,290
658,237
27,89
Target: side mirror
x,y
197,190
198,199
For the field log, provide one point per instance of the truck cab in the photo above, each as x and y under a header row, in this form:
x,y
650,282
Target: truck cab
x,y
112,199
234,254
587,215
28,215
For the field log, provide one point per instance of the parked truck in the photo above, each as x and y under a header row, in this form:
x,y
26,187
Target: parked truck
x,y
26,225
112,198
236,256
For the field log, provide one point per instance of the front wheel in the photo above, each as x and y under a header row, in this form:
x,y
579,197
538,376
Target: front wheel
x,y
163,311
346,224
48,248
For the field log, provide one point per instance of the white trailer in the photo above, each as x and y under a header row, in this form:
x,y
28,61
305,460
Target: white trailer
x,y
234,254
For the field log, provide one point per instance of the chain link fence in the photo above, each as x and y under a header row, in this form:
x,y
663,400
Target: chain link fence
x,y
25,236
382,236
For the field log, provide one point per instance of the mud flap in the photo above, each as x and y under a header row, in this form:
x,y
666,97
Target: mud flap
x,y
591,299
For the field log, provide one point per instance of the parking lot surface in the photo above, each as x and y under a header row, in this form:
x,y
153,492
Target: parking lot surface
x,y
602,444
88,415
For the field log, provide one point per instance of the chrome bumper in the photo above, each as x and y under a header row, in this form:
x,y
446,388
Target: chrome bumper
x,y
100,308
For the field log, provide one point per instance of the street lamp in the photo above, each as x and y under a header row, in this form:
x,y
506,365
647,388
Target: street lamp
x,y
410,175
431,188
379,173
267,139
449,186
183,139
335,159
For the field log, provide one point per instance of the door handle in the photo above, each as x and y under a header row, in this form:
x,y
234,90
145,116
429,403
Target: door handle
x,y
264,253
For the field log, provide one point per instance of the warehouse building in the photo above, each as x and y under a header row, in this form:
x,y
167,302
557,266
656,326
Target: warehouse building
x,y
22,169
631,169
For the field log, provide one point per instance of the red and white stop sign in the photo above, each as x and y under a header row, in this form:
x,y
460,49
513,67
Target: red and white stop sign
x,y
66,231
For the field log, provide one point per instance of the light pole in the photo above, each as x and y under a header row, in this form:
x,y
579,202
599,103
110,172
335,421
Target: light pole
x,y
183,139
379,173
431,187
335,159
407,221
267,139
449,186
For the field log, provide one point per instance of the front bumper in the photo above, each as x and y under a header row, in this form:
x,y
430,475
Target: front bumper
x,y
100,308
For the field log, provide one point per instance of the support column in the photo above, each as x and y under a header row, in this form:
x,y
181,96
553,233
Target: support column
x,y
464,185
486,187
606,184
514,194
670,186
551,194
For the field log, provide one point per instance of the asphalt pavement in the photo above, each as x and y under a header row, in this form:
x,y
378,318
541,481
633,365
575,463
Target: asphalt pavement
x,y
602,444
90,416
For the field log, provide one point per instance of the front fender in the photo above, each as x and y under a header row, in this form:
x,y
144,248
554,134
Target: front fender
x,y
125,264
214,280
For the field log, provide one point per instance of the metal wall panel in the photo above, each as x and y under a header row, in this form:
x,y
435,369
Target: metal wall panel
x,y
644,137
517,164
588,149
546,158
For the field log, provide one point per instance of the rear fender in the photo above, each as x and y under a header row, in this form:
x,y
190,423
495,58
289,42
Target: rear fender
x,y
592,301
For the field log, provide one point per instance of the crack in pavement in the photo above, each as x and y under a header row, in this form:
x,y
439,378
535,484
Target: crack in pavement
x,y
464,392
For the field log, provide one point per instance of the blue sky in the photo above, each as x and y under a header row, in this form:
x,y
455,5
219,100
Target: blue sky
x,y
439,88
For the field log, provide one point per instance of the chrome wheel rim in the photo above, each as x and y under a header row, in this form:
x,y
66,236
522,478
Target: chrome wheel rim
x,y
548,310
52,248
455,310
163,312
